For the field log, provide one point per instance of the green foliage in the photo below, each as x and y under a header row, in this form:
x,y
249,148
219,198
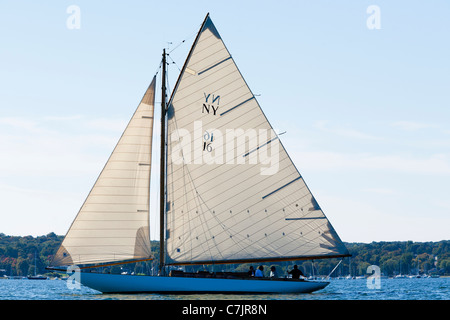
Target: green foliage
x,y
17,257
398,257
17,254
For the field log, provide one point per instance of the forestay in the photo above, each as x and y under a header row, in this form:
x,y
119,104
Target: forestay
x,y
113,223
233,193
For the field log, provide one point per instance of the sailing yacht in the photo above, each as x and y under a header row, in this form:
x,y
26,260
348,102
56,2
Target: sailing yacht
x,y
36,276
229,192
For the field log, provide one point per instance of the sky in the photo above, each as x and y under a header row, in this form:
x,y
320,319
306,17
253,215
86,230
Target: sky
x,y
362,89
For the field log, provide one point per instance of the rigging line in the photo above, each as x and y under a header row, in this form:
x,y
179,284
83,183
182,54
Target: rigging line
x,y
157,71
334,269
220,223
185,194
189,177
200,199
167,84
204,223
276,212
186,38
189,227
257,201
173,62
177,46
196,207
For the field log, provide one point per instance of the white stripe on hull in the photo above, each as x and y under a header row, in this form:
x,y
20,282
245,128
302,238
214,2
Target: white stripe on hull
x,y
112,283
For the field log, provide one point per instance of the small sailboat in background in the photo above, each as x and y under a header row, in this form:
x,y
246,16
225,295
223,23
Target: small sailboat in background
x,y
36,276
229,192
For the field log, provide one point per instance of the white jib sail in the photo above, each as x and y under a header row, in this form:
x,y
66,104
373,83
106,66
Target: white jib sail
x,y
233,193
113,223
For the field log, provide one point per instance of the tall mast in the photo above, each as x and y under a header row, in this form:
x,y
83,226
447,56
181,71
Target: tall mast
x,y
162,167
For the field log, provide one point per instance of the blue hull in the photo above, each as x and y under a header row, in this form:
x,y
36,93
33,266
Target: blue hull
x,y
114,283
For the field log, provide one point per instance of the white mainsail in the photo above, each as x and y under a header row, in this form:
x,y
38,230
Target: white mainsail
x,y
233,193
113,223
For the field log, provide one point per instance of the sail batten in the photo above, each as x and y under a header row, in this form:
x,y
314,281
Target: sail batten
x,y
113,222
234,193
236,106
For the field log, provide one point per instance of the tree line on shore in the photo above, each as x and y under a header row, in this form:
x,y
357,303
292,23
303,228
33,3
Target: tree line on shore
x,y
27,255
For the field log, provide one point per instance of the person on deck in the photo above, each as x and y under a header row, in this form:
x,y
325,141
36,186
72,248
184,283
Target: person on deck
x,y
251,272
273,272
259,272
296,273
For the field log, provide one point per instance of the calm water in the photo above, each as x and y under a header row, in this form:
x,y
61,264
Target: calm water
x,y
391,289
